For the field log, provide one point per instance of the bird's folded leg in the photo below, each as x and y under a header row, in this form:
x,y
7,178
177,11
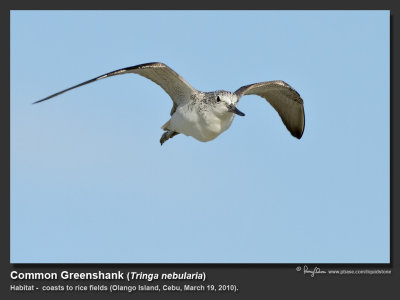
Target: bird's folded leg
x,y
167,135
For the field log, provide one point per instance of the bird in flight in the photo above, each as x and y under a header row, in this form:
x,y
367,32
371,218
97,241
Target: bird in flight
x,y
205,115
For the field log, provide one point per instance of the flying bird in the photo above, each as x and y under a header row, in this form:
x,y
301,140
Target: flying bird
x,y
205,115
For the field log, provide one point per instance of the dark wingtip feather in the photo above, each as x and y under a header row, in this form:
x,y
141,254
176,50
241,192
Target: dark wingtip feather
x,y
298,133
41,100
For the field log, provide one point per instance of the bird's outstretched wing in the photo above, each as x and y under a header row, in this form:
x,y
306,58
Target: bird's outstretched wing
x,y
286,101
175,86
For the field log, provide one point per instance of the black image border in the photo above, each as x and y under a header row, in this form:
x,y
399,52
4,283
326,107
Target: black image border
x,y
254,280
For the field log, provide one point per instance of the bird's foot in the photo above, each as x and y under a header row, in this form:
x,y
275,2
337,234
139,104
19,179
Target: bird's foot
x,y
167,135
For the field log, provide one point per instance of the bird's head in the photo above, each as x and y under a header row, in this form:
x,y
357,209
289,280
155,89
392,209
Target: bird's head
x,y
224,102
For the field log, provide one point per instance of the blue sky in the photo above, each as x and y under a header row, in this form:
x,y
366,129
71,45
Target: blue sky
x,y
91,183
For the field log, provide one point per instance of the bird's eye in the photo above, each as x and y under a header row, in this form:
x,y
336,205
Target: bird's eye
x,y
218,99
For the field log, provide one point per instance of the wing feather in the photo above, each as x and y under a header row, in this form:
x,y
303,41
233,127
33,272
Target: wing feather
x,y
286,101
172,83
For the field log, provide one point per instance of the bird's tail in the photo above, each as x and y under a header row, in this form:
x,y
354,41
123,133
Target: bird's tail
x,y
166,125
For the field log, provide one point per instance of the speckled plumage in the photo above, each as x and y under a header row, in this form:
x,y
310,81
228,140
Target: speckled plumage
x,y
205,115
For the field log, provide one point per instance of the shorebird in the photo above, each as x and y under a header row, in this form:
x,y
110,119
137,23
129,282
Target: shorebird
x,y
205,115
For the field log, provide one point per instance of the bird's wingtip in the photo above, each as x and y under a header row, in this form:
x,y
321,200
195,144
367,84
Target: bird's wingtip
x,y
41,100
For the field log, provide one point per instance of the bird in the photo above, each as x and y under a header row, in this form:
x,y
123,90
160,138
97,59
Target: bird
x,y
205,115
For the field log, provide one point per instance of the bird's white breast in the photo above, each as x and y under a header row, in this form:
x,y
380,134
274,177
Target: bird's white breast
x,y
201,124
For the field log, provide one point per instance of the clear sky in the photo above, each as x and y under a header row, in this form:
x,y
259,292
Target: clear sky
x,y
91,183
